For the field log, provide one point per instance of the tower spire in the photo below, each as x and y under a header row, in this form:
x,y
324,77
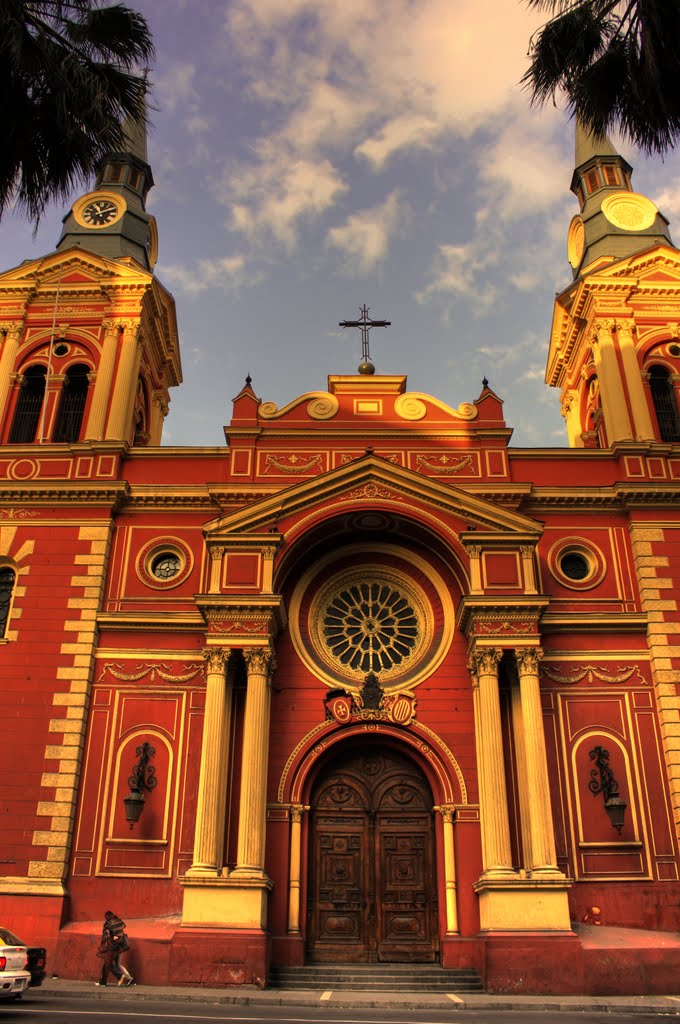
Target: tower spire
x,y
614,221
111,220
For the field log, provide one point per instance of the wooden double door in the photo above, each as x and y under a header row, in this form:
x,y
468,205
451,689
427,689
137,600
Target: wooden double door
x,y
372,893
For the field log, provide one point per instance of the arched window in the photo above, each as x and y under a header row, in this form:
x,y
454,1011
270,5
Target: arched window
x,y
27,414
665,404
7,580
71,404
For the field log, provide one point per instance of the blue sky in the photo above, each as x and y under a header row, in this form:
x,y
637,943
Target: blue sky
x,y
311,156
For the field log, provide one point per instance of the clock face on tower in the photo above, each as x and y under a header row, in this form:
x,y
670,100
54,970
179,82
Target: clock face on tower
x,y
99,209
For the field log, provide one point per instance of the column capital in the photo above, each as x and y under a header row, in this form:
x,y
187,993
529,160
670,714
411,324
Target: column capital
x,y
216,657
216,552
528,659
448,812
260,660
485,660
296,812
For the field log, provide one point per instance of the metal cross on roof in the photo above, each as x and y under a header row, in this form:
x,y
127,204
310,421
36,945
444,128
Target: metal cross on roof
x,y
365,324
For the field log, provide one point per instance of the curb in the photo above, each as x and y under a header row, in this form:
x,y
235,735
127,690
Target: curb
x,y
250,996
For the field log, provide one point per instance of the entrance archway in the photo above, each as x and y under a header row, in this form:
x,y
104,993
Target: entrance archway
x,y
372,887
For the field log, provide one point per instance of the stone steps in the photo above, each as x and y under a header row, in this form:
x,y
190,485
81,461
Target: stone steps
x,y
375,978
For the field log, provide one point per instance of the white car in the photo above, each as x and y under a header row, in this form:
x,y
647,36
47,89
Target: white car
x,y
14,978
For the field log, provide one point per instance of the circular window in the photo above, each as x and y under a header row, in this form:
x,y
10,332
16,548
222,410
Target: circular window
x,y
164,562
380,611
674,349
166,565
576,563
370,627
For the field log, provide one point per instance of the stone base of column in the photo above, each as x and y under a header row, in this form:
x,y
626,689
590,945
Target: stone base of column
x,y
523,904
217,957
225,902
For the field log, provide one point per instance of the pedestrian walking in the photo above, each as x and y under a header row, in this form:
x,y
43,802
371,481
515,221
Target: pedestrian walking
x,y
113,943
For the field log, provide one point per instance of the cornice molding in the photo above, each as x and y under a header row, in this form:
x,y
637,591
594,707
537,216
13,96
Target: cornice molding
x,y
152,620
38,493
594,622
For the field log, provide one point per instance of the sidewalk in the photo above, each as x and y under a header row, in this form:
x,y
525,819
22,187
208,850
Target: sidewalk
x,y
250,996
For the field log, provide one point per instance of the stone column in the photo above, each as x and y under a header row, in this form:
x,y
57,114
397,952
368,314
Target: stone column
x,y
216,557
253,806
94,428
493,800
119,423
617,421
534,779
10,346
294,881
212,785
572,415
643,428
449,871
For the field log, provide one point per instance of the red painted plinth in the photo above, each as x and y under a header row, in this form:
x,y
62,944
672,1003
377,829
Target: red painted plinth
x,y
456,952
218,957
534,963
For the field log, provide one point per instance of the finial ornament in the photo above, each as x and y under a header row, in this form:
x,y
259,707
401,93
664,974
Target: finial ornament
x,y
365,323
485,382
249,380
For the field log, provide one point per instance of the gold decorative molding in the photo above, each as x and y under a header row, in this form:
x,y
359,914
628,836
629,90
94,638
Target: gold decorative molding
x,y
445,464
590,672
293,463
163,671
321,406
413,406
18,513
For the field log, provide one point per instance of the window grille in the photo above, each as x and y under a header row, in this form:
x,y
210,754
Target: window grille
x,y
665,404
7,578
71,405
27,414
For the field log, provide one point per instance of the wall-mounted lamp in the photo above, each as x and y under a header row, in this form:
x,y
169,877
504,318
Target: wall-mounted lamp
x,y
143,778
602,781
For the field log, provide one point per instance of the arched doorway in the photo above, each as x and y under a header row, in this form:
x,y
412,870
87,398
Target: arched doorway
x,y
372,884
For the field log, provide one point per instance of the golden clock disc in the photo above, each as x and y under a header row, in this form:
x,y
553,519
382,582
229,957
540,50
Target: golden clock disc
x,y
576,241
629,211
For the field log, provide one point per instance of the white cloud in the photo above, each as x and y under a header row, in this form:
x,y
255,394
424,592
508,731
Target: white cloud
x,y
408,132
364,80
457,270
365,236
273,197
227,272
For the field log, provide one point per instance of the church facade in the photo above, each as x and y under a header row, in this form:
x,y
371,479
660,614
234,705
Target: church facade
x,y
304,699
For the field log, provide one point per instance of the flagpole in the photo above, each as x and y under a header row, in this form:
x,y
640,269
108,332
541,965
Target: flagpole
x,y
49,363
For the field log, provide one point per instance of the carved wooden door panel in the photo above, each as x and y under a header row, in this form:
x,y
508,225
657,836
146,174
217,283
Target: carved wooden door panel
x,y
372,890
337,920
404,873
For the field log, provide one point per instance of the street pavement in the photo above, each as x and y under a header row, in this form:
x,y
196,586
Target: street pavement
x,y
251,996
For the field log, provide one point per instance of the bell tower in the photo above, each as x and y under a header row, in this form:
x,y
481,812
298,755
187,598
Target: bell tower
x,y
88,336
614,349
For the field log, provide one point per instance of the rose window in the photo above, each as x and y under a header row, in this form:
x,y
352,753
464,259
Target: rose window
x,y
370,627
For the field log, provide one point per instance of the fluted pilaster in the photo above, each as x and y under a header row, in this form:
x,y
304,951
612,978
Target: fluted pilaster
x,y
294,882
253,806
449,871
10,346
534,777
493,801
120,414
94,429
212,786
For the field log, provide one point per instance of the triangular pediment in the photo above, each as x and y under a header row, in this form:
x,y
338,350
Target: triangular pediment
x,y
370,480
70,266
